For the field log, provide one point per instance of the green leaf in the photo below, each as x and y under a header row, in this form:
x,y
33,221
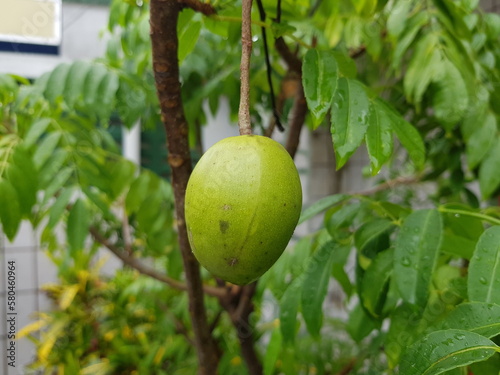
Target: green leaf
x,y
54,164
57,182
493,22
8,87
457,245
10,212
375,281
404,329
36,129
479,317
463,225
315,286
122,174
417,248
78,226
24,178
413,26
488,367
358,5
481,139
342,218
281,29
451,16
321,205
398,18
370,232
407,134
59,206
489,175
319,78
424,66
470,4
451,99
346,65
289,305
137,193
360,324
106,94
216,27
484,268
93,79
75,81
188,37
55,83
99,202
338,271
378,137
272,352
478,108
46,148
151,217
349,118
442,351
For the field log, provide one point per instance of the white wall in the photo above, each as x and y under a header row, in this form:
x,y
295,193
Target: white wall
x,y
81,28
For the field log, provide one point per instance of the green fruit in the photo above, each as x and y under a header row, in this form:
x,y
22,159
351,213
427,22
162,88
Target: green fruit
x,y
243,201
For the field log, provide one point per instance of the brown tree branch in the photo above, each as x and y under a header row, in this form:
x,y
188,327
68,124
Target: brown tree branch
x,y
288,89
198,6
288,56
246,51
163,21
134,263
348,367
298,119
239,307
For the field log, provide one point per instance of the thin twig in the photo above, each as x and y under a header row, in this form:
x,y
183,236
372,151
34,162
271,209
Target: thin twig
x,y
144,269
246,51
398,181
278,11
276,112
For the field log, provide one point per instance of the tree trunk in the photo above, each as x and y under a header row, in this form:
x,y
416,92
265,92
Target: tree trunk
x,y
164,16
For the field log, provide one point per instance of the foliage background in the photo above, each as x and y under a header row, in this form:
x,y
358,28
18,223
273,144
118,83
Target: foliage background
x,y
415,82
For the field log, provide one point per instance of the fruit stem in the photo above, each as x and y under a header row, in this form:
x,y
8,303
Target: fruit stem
x,y
246,51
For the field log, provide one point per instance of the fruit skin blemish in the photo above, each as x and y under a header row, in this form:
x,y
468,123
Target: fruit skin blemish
x,y
243,202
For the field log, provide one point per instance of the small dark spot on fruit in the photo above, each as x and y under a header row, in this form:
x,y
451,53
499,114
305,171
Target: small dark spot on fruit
x,y
261,242
232,261
266,252
224,226
284,204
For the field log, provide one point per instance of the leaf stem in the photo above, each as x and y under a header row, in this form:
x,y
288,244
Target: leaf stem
x,y
477,215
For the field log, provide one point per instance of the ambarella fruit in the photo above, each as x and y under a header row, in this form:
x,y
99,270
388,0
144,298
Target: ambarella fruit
x,y
243,201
